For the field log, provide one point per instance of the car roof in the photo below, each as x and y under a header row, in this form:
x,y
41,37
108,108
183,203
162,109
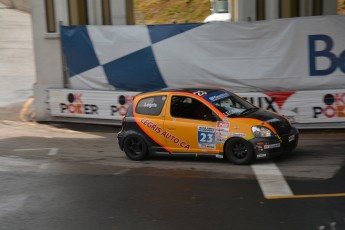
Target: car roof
x,y
192,90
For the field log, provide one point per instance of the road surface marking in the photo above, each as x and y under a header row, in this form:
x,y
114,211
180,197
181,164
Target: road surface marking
x,y
271,181
121,172
52,151
306,196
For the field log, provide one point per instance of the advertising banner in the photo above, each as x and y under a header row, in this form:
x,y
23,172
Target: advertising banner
x,y
89,104
303,107
294,54
300,107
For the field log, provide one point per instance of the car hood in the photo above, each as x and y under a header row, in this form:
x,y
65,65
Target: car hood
x,y
279,123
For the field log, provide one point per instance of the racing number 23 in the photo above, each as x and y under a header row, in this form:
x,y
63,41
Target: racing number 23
x,y
206,137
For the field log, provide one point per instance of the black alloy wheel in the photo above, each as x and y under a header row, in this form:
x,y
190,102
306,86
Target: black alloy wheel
x,y
135,148
239,151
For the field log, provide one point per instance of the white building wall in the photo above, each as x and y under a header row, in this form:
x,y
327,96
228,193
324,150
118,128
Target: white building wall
x,y
48,51
47,59
247,10
306,8
22,5
233,10
94,12
242,10
118,12
272,9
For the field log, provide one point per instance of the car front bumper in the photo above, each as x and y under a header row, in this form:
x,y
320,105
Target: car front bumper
x,y
270,147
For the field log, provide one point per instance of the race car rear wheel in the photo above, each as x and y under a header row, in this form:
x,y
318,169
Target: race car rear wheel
x,y
135,148
239,151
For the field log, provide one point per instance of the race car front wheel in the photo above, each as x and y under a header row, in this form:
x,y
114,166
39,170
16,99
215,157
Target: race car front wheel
x,y
239,151
135,148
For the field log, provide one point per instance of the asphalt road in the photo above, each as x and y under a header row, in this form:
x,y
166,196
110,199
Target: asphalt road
x,y
68,176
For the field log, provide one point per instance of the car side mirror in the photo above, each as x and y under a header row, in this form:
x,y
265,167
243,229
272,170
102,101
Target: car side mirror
x,y
210,117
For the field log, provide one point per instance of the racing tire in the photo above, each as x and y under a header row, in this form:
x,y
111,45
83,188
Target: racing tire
x,y
135,148
239,151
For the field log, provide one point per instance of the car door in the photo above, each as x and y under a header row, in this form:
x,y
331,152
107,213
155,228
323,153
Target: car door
x,y
186,128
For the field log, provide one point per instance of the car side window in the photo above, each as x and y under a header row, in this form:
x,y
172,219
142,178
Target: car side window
x,y
188,107
151,105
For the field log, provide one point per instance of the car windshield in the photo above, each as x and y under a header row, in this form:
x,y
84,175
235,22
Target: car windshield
x,y
229,104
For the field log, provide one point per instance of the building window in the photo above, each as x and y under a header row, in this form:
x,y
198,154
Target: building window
x,y
106,15
50,16
260,10
77,12
130,12
289,8
317,7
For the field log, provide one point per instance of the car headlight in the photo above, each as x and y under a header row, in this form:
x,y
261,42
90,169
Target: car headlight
x,y
261,131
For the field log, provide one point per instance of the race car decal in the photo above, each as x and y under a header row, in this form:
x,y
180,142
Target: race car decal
x,y
259,147
272,146
217,96
206,137
200,93
237,134
222,130
151,125
167,135
261,155
176,140
223,125
291,138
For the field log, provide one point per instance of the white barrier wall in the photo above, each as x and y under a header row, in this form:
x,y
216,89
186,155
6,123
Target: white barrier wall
x,y
47,45
301,107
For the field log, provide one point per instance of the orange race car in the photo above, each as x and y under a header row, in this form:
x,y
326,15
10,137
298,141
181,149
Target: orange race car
x,y
203,121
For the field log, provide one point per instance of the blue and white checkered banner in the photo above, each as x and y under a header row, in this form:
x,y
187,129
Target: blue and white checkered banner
x,y
275,55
